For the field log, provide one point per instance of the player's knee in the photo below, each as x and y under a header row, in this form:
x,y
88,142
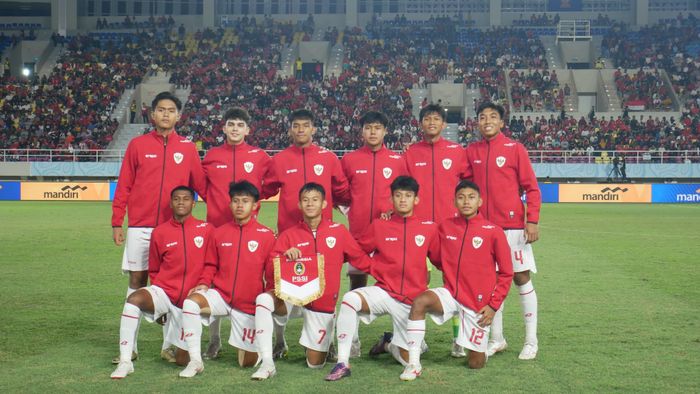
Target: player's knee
x,y
419,306
138,298
264,301
520,278
191,307
476,360
353,300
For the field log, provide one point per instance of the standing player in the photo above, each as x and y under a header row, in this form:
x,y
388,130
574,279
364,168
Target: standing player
x,y
502,169
235,271
313,236
299,164
438,165
474,258
153,164
369,170
400,246
232,161
176,259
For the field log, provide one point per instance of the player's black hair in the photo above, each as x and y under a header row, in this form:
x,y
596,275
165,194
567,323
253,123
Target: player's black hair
x,y
374,117
466,184
312,186
166,96
405,183
302,114
182,187
489,105
432,109
243,188
237,113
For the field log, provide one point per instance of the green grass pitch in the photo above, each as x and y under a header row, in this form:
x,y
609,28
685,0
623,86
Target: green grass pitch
x,y
617,286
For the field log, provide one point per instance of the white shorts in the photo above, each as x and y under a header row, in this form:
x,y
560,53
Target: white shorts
x,y
521,251
381,303
135,258
161,306
471,335
242,324
317,332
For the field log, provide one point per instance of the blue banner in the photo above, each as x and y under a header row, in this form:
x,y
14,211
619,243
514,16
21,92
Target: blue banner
x,y
565,5
112,188
10,191
550,192
675,193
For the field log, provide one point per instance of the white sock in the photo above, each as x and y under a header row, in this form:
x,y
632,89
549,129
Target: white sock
x,y
264,306
192,328
166,327
528,300
416,334
131,314
346,325
130,291
215,331
497,325
396,352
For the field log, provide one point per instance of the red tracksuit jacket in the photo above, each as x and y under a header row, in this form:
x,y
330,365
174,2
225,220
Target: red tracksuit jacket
x,y
228,163
153,166
291,169
468,253
176,256
336,245
236,264
501,167
370,175
400,246
438,169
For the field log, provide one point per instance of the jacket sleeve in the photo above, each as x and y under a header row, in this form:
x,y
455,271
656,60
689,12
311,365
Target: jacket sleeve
x,y
504,275
211,263
468,171
127,176
198,179
346,198
154,257
434,249
339,183
528,182
269,270
278,249
354,254
271,183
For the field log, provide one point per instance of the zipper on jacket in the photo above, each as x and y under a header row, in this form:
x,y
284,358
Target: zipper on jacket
x,y
162,179
303,160
184,274
403,267
488,164
432,169
459,259
234,163
238,260
371,198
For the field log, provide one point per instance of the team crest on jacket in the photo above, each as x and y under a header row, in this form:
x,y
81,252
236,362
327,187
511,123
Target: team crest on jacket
x,y
386,171
248,167
330,241
252,246
318,169
420,239
446,163
199,241
476,242
177,156
500,161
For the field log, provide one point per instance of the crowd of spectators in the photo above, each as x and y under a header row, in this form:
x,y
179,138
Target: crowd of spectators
x,y
132,23
645,87
536,90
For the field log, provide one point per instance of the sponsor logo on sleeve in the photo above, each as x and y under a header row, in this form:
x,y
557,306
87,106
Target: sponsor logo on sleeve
x,y
451,237
170,244
221,166
151,156
292,170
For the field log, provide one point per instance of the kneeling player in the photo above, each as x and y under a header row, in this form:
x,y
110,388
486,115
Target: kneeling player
x,y
175,262
235,271
400,246
470,250
308,239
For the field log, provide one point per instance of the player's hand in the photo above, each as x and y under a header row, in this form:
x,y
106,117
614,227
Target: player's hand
x,y
293,253
118,235
487,313
532,232
386,215
198,288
